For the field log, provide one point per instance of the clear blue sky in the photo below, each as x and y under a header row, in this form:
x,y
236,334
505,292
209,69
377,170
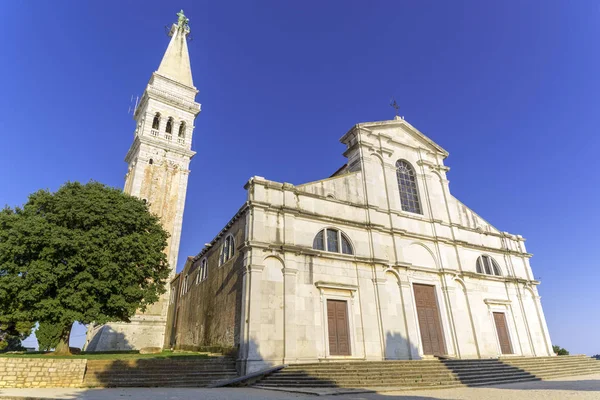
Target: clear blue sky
x,y
510,89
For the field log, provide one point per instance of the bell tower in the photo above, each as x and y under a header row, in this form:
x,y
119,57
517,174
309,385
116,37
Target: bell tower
x,y
158,161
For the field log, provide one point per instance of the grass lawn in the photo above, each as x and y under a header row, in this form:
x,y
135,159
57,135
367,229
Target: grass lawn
x,y
113,355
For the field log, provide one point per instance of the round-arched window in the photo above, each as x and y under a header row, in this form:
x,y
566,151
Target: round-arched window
x,y
487,265
332,240
407,185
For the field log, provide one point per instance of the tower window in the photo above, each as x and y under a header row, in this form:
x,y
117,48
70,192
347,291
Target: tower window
x,y
407,184
156,121
169,127
150,161
182,130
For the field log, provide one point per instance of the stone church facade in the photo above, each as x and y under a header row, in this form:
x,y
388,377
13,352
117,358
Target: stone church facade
x,y
377,262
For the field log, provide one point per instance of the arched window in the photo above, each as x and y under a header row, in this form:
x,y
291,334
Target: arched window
x,y
203,269
182,130
184,288
487,265
169,127
333,240
407,184
156,121
227,250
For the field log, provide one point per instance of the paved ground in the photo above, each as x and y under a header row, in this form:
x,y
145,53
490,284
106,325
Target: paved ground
x,y
580,388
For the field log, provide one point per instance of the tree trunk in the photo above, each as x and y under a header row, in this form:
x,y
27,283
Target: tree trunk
x,y
62,348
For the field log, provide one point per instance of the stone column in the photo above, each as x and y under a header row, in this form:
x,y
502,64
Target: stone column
x,y
410,319
289,313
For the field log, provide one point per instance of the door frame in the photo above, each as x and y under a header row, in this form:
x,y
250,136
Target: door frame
x,y
503,306
347,293
512,348
442,310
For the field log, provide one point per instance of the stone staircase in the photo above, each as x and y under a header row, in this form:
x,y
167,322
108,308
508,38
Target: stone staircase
x,y
555,367
170,372
427,373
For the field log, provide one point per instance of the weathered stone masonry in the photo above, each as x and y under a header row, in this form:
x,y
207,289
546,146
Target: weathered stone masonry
x,y
41,373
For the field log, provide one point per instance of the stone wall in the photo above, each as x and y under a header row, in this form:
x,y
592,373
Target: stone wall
x,y
40,372
209,312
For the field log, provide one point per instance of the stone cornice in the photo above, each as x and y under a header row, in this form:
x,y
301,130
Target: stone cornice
x,y
383,229
335,286
173,100
237,216
288,186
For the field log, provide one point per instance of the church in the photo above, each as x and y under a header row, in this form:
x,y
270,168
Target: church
x,y
377,261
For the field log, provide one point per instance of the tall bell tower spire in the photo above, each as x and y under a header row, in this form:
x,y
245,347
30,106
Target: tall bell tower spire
x,y
158,161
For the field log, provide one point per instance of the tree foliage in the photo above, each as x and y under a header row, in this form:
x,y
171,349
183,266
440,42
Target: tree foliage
x,y
86,253
560,351
12,334
48,335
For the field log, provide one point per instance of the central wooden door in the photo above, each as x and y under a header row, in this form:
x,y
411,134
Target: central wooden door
x,y
502,329
339,335
430,325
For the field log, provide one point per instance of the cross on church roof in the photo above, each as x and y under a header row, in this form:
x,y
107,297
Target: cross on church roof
x,y
396,107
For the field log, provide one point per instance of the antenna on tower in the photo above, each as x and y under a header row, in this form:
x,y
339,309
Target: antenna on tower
x,y
132,106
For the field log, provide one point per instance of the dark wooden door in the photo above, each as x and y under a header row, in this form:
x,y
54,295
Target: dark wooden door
x,y
428,314
502,329
339,336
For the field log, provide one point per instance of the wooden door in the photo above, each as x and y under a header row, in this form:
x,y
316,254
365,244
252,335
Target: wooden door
x,y
430,325
339,335
502,329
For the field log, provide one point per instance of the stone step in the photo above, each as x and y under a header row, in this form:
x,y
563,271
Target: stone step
x,y
551,364
543,369
387,366
376,368
429,373
154,382
407,384
159,369
425,378
151,374
396,373
543,358
153,362
555,361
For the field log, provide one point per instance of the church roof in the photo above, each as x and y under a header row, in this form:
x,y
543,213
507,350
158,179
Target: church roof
x,y
175,64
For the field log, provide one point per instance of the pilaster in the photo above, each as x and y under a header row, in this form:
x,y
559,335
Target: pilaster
x,y
289,289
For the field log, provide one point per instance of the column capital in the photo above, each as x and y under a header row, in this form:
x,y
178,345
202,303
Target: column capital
x,y
289,271
255,268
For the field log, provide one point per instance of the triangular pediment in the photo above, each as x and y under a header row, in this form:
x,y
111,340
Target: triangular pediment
x,y
400,131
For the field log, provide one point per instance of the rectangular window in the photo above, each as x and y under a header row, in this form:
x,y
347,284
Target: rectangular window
x,y
332,241
486,263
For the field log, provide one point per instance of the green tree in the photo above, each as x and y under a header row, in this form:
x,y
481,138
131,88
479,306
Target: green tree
x,y
12,334
86,253
48,336
560,351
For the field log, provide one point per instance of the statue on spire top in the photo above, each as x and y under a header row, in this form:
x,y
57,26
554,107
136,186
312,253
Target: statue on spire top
x,y
182,20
